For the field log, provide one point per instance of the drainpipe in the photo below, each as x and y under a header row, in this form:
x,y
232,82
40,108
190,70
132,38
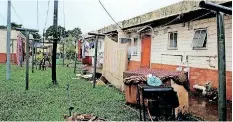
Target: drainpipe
x,y
222,111
147,26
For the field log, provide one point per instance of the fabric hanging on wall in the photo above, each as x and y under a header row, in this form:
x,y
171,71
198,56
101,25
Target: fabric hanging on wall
x,y
19,55
87,46
92,44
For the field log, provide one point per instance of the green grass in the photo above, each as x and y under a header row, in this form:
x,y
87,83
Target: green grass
x,y
46,102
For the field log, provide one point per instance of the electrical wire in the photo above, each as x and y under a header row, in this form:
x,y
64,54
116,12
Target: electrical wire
x,y
110,15
178,17
64,13
46,17
16,13
200,16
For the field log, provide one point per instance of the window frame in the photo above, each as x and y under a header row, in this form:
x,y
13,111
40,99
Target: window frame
x,y
135,47
169,41
206,39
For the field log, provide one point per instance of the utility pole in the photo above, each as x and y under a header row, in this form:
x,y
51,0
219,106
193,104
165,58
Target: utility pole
x,y
43,41
33,56
8,62
55,39
27,53
75,61
27,60
221,67
63,52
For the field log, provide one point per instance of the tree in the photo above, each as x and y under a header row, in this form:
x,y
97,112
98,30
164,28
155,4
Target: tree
x,y
15,25
36,35
69,47
2,27
61,32
76,32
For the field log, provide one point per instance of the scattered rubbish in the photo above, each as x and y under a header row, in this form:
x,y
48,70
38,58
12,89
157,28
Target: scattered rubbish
x,y
82,117
78,75
153,80
100,82
135,80
202,88
87,76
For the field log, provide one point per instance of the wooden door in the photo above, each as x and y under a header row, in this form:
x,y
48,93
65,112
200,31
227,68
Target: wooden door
x,y
146,51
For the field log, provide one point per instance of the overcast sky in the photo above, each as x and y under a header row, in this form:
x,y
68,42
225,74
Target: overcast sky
x,y
86,14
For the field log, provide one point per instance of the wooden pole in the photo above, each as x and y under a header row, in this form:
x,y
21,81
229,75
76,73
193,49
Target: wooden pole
x,y
27,53
33,56
27,60
8,62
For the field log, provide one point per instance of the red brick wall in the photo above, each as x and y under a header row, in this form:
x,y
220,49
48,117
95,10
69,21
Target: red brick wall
x,y
3,58
197,75
201,76
163,66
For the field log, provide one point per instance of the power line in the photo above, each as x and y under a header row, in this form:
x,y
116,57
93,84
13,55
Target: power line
x,y
16,13
64,13
177,18
201,16
109,14
46,16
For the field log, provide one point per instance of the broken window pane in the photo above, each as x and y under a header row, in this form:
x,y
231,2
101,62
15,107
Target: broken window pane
x,y
199,39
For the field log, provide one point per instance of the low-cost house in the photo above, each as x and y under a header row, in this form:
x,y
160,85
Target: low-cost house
x,y
181,36
87,56
3,39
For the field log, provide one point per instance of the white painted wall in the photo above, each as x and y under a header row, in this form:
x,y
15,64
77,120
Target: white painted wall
x,y
3,38
184,45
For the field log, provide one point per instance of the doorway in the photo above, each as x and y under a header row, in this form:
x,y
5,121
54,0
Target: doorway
x,y
146,51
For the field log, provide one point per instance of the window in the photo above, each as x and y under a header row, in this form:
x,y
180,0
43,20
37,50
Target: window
x,y
125,40
172,40
200,39
135,46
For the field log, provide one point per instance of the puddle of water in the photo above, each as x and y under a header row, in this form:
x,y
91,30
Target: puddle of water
x,y
199,106
207,110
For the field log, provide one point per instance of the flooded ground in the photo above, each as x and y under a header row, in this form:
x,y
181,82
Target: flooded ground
x,y
207,110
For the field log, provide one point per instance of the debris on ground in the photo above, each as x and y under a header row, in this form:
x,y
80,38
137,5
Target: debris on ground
x,y
83,117
88,76
99,82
